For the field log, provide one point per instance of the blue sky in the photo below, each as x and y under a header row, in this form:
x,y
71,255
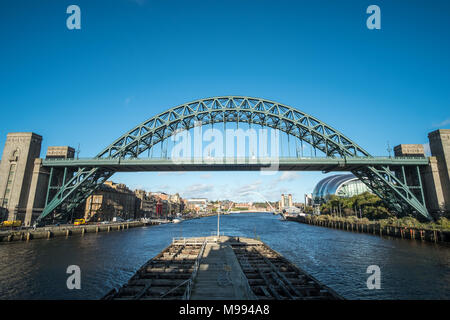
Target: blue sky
x,y
133,59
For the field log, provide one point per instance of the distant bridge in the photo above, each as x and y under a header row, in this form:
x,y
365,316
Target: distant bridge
x,y
397,181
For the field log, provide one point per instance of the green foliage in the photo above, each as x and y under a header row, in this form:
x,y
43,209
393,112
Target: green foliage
x,y
368,208
441,224
365,205
405,222
444,223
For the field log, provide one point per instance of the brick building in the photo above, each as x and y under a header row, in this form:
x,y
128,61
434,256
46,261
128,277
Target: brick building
x,y
111,200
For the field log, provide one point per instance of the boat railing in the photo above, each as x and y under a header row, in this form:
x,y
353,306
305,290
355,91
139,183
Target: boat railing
x,y
187,241
214,233
190,283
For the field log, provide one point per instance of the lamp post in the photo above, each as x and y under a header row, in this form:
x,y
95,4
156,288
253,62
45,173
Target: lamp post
x,y
218,224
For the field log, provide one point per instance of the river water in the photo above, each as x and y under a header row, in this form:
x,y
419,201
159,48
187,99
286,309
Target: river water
x,y
339,259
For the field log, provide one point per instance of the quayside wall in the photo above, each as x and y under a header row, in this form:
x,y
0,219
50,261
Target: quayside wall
x,y
378,229
65,231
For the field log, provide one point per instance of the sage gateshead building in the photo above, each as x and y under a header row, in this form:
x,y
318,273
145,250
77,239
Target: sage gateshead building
x,y
341,185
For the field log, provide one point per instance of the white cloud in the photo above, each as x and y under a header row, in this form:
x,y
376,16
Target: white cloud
x,y
163,187
255,185
446,122
288,176
198,190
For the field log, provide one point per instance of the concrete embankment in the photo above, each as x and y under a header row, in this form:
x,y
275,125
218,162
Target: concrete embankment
x,y
68,230
65,231
380,230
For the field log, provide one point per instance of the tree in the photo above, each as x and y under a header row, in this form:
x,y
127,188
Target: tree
x,y
371,206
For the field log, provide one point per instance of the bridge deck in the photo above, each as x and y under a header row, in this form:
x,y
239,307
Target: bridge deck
x,y
235,164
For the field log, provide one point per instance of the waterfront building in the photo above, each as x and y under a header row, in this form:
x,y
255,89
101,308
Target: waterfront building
x,y
145,204
341,185
160,195
176,204
111,200
197,204
244,205
171,205
309,200
286,201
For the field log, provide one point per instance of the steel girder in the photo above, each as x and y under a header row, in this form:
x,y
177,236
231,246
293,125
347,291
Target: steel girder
x,y
403,193
72,189
225,109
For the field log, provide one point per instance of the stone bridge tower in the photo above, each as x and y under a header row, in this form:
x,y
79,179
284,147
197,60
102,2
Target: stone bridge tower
x,y
16,172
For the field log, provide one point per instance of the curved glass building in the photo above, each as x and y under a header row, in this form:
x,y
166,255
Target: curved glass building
x,y
341,185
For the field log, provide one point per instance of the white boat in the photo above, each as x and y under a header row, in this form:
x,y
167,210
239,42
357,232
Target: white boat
x,y
176,220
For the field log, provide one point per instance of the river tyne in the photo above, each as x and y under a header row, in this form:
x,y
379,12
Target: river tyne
x,y
339,259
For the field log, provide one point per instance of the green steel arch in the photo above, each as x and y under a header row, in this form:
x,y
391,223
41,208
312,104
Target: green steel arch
x,y
74,187
233,109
